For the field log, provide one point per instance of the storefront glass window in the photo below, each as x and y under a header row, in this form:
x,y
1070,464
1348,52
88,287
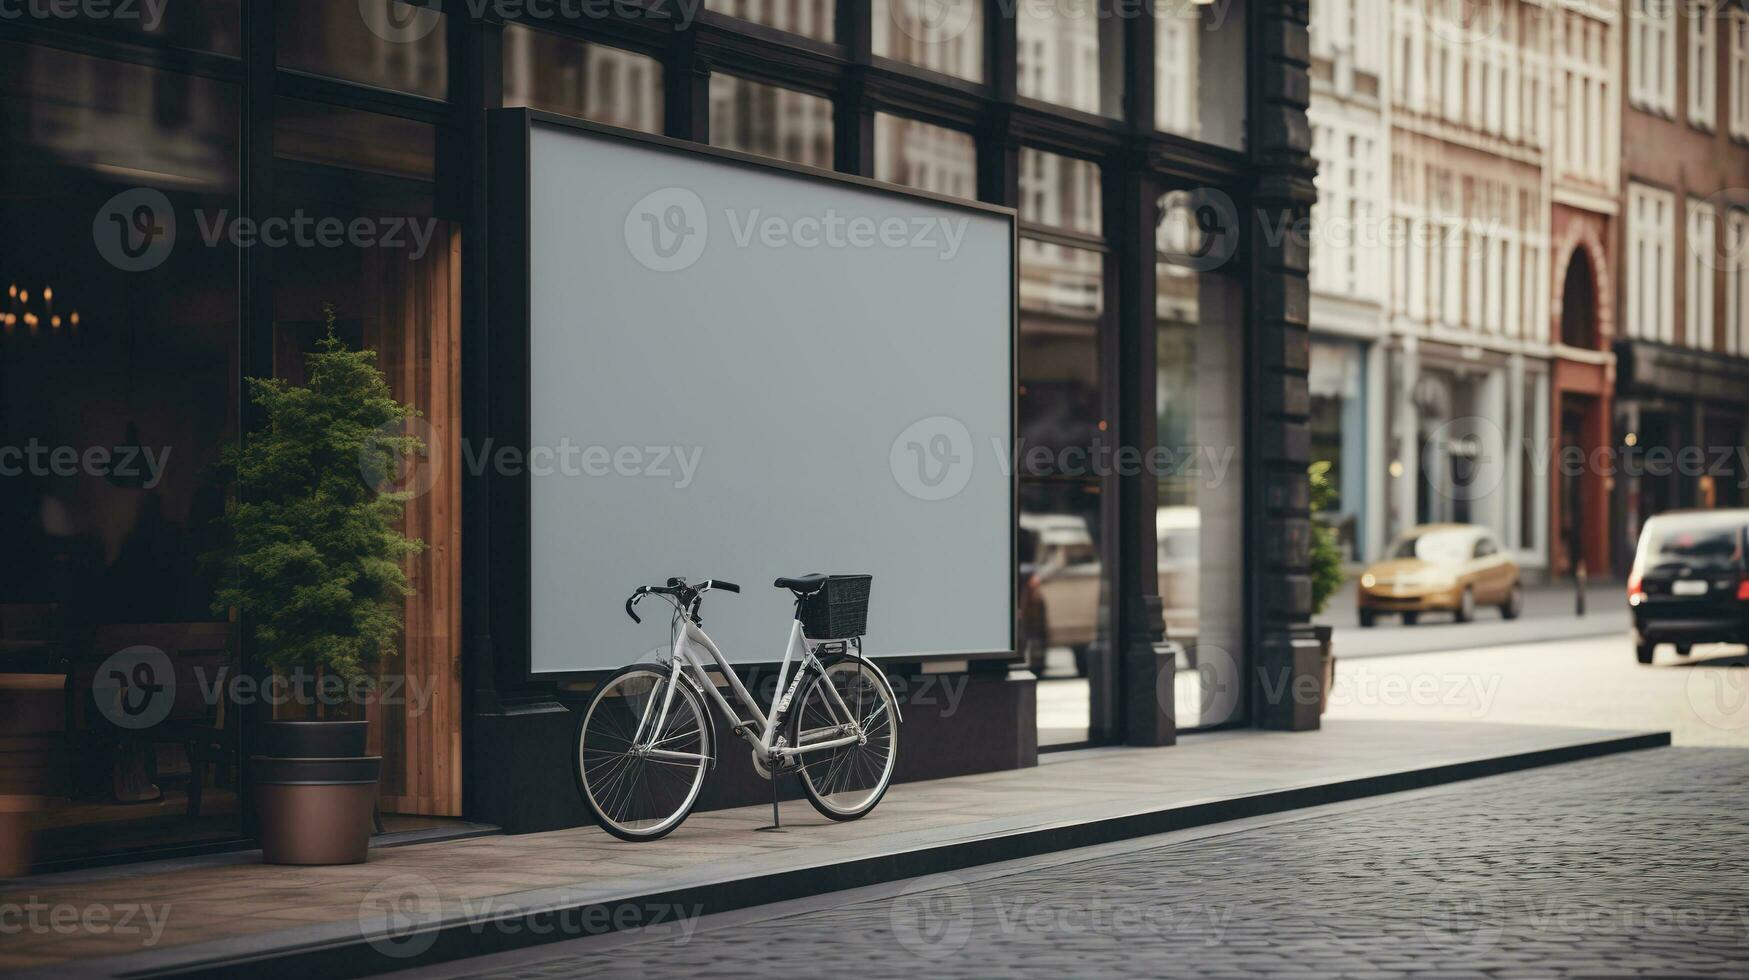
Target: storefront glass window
x,y
941,35
929,158
1199,525
310,132
1069,55
211,26
385,43
771,121
118,357
395,289
1199,71
1064,577
1060,192
559,74
809,18
1064,532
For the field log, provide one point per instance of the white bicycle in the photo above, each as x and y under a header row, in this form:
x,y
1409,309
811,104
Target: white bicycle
x,y
647,738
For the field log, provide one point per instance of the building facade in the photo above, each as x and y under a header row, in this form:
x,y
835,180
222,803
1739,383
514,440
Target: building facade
x,y
1585,158
1146,152
1468,348
1350,115
1560,340
1681,376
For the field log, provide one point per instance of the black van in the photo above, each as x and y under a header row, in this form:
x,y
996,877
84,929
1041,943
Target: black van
x,y
1689,583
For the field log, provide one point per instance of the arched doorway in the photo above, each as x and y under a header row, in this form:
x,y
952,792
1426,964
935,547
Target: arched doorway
x,y
1581,422
1579,303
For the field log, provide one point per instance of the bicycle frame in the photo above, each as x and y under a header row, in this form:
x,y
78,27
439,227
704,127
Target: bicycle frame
x,y
690,640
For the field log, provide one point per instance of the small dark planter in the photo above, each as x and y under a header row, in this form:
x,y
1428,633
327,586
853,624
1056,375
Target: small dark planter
x,y
315,792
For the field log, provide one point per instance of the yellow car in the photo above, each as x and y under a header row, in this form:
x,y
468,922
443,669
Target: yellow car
x,y
1441,568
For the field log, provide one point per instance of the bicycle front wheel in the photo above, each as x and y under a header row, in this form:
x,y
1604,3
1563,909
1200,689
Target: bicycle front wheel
x,y
638,775
849,700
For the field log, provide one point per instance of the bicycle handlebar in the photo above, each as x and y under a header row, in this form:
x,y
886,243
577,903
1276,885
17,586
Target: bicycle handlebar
x,y
677,587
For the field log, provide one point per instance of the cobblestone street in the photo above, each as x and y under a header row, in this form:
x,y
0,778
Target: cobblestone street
x,y
1624,866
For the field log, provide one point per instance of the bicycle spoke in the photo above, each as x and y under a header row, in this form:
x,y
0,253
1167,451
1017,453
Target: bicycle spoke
x,y
847,778
637,793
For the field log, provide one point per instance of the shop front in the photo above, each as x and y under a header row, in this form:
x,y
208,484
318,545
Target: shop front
x,y
1469,431
199,191
1679,435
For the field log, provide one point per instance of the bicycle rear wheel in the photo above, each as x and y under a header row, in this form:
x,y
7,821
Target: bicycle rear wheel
x,y
641,788
845,782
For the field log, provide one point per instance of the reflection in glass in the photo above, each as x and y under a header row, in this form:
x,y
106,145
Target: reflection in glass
x,y
941,35
311,132
576,78
119,346
771,121
212,26
930,158
1061,192
809,18
1199,71
1064,582
1199,522
129,121
385,43
1064,592
1071,56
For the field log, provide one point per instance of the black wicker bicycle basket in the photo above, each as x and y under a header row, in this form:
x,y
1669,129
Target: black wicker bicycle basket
x,y
839,610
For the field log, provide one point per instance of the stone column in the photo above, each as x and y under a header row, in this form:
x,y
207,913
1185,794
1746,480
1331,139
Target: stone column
x,y
1285,660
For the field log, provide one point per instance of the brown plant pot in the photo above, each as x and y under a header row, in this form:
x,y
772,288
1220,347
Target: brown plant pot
x,y
315,811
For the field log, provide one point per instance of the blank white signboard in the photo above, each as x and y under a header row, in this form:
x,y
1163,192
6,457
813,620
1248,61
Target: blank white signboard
x,y
740,372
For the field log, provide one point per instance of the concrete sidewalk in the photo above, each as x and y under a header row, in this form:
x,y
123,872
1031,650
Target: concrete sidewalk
x,y
434,902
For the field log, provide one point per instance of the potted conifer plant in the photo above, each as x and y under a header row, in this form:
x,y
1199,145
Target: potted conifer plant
x,y
313,564
1326,572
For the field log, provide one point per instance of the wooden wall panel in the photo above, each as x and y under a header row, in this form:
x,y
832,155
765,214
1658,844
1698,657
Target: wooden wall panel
x,y
417,724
